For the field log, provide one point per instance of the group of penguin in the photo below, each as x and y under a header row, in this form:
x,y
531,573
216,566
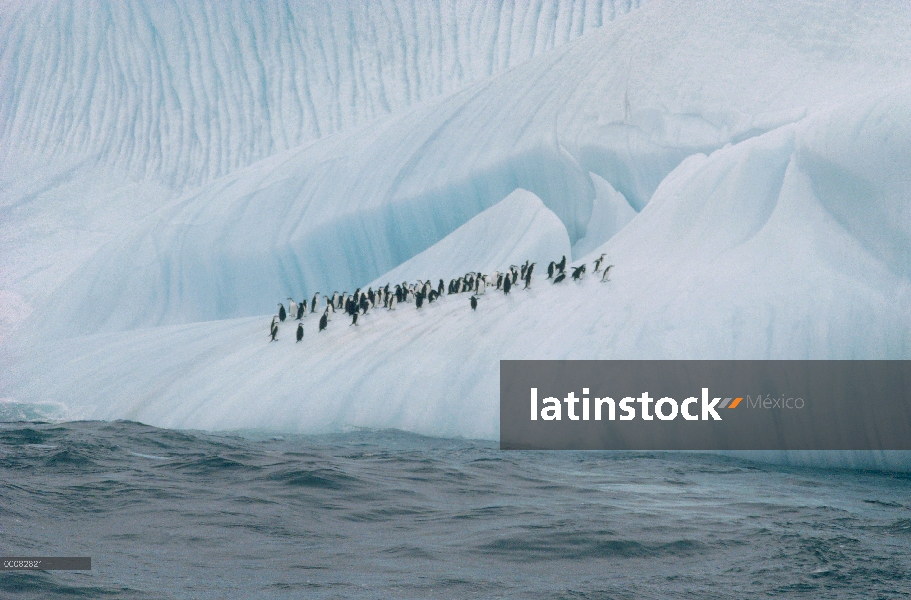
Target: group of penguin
x,y
360,302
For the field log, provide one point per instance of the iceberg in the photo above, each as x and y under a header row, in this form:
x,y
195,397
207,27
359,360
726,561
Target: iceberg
x,y
168,173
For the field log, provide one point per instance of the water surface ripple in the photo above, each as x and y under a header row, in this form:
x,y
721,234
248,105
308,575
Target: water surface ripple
x,y
179,514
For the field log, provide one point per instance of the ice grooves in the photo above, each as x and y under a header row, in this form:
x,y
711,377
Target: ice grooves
x,y
188,91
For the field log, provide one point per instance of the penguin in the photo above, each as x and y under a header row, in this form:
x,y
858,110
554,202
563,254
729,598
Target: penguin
x,y
274,320
578,272
561,266
273,332
324,320
499,280
315,303
292,307
550,269
392,302
560,277
605,277
281,312
474,303
419,300
598,262
300,332
440,288
353,319
482,284
301,310
507,284
365,304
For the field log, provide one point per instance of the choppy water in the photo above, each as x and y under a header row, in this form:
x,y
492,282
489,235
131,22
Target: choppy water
x,y
172,514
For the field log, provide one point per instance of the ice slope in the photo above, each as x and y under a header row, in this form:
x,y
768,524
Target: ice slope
x,y
341,211
184,91
761,151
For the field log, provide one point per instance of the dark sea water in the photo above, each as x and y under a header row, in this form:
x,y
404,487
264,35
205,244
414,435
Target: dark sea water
x,y
176,514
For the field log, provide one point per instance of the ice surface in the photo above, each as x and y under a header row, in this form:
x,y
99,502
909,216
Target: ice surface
x,y
184,91
744,166
519,228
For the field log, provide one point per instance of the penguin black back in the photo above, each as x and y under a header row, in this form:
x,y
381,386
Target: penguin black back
x,y
560,277
300,332
281,312
474,303
323,321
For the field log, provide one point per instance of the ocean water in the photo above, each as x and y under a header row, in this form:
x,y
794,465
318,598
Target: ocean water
x,y
386,514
